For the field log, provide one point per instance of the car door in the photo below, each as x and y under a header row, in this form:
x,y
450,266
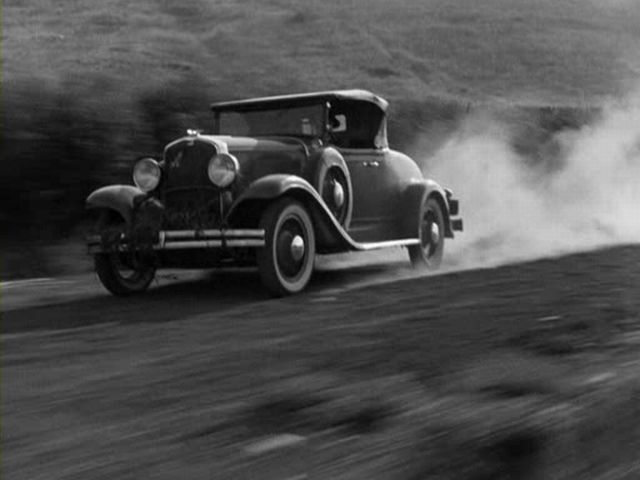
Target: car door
x,y
373,204
355,127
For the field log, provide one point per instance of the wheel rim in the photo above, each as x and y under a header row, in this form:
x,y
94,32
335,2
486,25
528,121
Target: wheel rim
x,y
334,194
431,233
291,249
128,267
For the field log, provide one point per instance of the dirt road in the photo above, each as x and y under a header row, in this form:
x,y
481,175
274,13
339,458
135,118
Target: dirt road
x,y
188,380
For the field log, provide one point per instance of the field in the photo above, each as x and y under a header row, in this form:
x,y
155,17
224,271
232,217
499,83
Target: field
x,y
541,52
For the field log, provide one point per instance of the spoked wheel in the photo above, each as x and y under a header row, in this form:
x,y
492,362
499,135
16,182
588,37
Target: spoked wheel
x,y
122,272
335,193
285,263
428,253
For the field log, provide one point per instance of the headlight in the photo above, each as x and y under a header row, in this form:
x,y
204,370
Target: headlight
x,y
223,169
146,174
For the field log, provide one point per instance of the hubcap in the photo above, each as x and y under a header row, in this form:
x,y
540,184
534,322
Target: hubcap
x,y
291,248
335,193
297,248
435,233
338,194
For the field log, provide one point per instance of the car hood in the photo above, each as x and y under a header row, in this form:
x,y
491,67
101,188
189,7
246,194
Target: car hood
x,y
246,144
266,155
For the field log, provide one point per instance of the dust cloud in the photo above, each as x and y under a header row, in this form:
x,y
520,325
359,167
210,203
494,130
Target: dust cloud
x,y
582,194
516,208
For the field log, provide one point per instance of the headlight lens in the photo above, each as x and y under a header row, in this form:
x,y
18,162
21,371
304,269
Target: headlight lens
x,y
223,169
146,174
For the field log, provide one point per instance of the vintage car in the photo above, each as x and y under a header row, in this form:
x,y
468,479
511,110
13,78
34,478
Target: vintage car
x,y
278,181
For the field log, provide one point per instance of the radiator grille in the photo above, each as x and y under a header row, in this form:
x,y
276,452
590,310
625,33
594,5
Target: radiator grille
x,y
192,208
186,164
191,200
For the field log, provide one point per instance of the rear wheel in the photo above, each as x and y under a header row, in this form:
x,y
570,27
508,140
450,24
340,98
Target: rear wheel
x,y
286,262
122,272
428,253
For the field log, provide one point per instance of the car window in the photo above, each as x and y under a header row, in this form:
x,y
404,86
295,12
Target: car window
x,y
305,120
356,125
338,123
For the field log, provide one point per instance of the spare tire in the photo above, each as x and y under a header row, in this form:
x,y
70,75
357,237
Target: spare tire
x,y
334,186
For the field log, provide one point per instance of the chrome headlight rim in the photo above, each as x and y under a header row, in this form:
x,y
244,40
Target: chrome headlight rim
x,y
147,174
223,169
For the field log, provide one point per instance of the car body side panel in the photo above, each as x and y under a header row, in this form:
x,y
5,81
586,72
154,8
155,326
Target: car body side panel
x,y
399,171
365,168
115,197
331,237
379,177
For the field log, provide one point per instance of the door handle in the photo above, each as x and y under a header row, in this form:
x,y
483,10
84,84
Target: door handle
x,y
373,164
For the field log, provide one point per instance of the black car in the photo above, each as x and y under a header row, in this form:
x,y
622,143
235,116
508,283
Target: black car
x,y
278,181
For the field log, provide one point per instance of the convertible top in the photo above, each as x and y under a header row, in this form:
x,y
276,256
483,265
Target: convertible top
x,y
284,101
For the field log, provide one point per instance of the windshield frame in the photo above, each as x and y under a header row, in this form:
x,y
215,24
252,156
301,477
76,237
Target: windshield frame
x,y
323,124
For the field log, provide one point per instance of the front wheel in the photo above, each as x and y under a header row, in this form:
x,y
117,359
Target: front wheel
x,y
286,262
122,273
428,253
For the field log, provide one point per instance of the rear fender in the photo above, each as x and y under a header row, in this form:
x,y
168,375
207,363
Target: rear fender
x,y
415,195
120,198
331,237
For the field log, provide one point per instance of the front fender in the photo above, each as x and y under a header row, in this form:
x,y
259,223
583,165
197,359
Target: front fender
x,y
415,194
115,197
273,186
247,208
331,237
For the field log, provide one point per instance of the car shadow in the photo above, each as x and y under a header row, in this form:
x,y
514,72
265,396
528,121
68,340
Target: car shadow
x,y
172,299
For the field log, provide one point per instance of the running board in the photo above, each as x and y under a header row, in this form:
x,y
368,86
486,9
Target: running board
x,y
189,239
365,247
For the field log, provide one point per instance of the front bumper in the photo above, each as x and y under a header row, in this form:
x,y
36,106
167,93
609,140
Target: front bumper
x,y
182,240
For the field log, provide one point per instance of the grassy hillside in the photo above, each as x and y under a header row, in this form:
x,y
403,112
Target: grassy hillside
x,y
561,51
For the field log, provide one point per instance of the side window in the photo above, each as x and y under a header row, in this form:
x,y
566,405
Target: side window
x,y
338,123
357,124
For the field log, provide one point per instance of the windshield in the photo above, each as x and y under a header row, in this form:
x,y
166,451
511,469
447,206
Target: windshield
x,y
306,120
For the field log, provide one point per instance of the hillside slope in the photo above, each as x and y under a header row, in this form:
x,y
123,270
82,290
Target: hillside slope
x,y
563,51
